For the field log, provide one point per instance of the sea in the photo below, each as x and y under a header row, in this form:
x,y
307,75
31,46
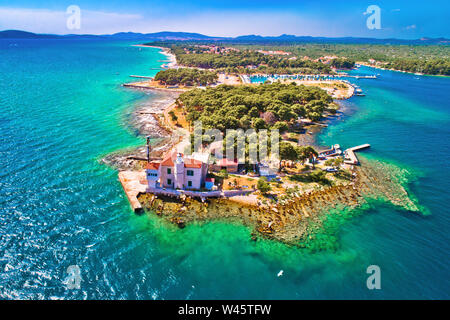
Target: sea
x,y
62,109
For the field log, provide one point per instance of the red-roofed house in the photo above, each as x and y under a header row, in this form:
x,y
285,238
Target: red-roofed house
x,y
180,172
224,164
152,173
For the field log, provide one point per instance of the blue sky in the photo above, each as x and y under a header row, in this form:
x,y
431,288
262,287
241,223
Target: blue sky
x,y
399,19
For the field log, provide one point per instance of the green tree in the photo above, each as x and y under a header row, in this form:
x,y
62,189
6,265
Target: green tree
x,y
307,152
287,152
258,123
281,126
263,185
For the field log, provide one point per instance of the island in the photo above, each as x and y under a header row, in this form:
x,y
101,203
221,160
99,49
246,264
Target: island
x,y
287,198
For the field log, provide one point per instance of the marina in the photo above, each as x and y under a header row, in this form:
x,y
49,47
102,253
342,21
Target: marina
x,y
261,78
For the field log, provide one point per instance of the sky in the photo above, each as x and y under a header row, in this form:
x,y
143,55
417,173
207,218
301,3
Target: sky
x,y
397,19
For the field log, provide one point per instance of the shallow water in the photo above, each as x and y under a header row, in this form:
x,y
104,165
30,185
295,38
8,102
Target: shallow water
x,y
62,108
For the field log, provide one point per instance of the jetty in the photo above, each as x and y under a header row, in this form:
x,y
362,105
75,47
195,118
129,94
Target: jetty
x,y
134,183
350,156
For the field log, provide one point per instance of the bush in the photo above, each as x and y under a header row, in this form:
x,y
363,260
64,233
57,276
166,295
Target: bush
x,y
263,185
173,116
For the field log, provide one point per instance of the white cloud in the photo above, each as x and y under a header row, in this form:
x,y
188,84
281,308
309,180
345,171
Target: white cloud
x,y
411,27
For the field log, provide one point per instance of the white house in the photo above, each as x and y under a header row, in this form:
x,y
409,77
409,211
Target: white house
x,y
152,173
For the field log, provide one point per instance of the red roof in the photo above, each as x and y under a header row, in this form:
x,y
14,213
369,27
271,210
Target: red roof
x,y
152,166
209,180
169,159
192,163
226,163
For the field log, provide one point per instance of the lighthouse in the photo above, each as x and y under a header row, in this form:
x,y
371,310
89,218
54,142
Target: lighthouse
x,y
179,172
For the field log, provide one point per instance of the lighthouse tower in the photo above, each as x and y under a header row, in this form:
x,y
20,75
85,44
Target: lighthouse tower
x,y
179,172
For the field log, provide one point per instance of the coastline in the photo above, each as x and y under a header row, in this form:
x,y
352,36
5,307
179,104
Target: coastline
x,y
278,221
402,71
147,120
165,51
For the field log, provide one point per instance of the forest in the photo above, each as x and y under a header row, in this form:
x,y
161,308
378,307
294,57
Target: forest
x,y
186,77
427,59
245,61
264,106
342,63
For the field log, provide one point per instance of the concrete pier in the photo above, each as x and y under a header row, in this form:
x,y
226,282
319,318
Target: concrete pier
x,y
133,183
350,156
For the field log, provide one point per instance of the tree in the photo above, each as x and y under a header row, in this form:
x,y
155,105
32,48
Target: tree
x,y
307,152
298,109
263,185
269,117
342,63
258,123
281,126
287,152
173,115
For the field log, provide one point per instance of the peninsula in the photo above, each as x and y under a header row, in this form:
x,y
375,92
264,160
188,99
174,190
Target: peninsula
x,y
286,198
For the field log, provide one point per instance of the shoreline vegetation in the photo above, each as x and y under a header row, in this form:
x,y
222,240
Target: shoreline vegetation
x,y
422,59
382,66
291,210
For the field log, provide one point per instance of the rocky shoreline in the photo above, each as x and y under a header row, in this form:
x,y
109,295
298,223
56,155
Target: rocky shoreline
x,y
146,120
295,219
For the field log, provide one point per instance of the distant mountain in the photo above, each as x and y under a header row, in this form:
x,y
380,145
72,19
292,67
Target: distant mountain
x,y
17,34
164,35
348,40
187,36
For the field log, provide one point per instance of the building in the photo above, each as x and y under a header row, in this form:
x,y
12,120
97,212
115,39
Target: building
x,y
266,171
231,166
176,171
209,183
152,173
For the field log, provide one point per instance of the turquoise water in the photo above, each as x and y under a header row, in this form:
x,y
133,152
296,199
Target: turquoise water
x,y
62,108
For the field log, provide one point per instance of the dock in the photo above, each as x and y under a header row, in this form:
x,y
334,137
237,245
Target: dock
x,y
350,156
133,183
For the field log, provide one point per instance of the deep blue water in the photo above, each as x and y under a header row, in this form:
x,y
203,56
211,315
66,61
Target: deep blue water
x,y
62,108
